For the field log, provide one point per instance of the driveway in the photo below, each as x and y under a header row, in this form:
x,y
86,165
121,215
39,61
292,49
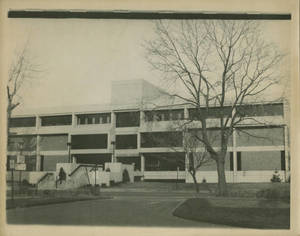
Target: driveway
x,y
128,209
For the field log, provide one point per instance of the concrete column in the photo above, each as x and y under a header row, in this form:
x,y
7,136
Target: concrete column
x,y
38,156
286,153
138,141
234,156
186,113
37,123
113,119
142,165
112,136
74,120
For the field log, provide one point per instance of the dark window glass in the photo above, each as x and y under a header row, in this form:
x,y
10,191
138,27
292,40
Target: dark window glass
x,y
30,162
260,110
130,160
128,119
126,141
99,159
164,162
282,160
239,161
22,122
92,141
161,139
231,161
22,142
211,112
88,119
164,115
56,120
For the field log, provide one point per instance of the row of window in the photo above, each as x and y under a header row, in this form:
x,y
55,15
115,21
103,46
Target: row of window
x,y
132,119
251,136
246,161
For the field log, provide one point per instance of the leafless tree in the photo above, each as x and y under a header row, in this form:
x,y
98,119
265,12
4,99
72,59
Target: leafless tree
x,y
22,70
216,63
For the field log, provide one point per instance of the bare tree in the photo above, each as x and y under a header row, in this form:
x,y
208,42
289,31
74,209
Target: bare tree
x,y
22,70
197,156
216,63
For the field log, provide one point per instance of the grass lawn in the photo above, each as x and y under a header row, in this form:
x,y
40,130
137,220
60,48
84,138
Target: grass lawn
x,y
249,213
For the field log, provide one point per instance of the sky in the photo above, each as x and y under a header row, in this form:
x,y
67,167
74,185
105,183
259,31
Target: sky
x,y
79,57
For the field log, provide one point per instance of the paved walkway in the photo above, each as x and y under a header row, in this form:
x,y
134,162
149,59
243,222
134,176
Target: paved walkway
x,y
143,209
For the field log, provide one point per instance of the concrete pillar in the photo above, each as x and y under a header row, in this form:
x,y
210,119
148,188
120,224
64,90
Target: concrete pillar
x,y
74,120
186,113
37,123
38,156
142,165
138,141
234,156
286,153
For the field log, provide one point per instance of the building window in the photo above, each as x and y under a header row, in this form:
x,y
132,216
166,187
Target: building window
x,y
131,160
164,162
231,161
260,136
128,119
56,120
89,119
239,161
53,142
283,160
91,141
260,110
126,141
210,112
161,139
22,122
164,115
28,143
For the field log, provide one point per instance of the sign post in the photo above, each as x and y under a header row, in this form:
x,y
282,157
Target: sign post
x,y
177,177
12,167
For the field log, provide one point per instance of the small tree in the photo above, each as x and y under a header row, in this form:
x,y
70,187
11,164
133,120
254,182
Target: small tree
x,y
196,154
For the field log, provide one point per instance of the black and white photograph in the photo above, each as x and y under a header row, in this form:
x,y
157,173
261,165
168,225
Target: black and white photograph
x,y
148,119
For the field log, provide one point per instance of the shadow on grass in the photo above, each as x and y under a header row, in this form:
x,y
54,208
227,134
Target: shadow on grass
x,y
250,217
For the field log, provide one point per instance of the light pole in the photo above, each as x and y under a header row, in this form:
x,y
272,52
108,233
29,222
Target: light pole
x,y
113,151
69,145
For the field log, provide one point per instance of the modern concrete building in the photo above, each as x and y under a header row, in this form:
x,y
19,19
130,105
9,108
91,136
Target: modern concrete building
x,y
135,128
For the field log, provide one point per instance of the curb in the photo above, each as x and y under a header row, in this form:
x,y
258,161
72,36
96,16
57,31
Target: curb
x,y
58,202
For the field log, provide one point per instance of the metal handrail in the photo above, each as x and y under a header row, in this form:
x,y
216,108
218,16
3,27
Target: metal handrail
x,y
43,177
83,165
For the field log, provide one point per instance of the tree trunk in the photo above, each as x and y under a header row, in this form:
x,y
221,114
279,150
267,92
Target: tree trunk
x,y
195,182
222,189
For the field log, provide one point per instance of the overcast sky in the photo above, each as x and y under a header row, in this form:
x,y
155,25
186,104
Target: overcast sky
x,y
80,58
